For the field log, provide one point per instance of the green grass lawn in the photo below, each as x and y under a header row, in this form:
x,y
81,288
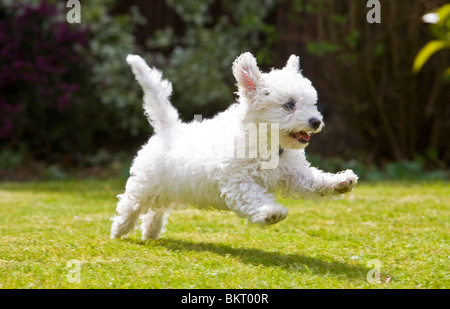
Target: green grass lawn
x,y
403,226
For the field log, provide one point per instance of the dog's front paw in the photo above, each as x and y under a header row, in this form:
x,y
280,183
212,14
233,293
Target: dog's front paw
x,y
269,214
348,184
345,186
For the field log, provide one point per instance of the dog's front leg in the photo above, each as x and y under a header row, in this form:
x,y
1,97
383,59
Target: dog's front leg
x,y
250,200
312,182
334,184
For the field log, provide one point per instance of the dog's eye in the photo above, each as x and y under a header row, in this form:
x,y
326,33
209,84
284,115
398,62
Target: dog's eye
x,y
289,105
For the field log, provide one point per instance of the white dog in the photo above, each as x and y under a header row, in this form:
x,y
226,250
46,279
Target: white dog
x,y
227,162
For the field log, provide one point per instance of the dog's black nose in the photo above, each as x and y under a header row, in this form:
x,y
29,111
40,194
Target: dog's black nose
x,y
315,123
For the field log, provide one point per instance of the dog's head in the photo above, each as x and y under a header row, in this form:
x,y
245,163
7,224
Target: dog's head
x,y
282,96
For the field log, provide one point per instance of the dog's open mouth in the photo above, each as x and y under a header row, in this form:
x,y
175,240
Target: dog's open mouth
x,y
302,136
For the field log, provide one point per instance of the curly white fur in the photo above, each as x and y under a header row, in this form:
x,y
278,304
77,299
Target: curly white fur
x,y
199,164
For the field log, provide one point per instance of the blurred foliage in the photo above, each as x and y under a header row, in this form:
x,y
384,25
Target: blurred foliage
x,y
198,61
110,40
441,31
401,170
42,77
365,71
66,90
81,98
68,97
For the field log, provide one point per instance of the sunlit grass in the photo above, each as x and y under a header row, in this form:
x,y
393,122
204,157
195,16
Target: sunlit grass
x,y
404,226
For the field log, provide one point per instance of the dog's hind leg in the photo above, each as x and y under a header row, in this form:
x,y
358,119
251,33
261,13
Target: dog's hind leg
x,y
153,223
125,221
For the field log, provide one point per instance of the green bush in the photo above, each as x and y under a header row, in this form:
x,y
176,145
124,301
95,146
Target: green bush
x,y
198,62
111,39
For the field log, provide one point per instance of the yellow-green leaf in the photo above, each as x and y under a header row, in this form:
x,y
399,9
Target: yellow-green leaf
x,y
444,13
427,51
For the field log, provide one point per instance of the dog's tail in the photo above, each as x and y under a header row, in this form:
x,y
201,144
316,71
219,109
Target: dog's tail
x,y
160,113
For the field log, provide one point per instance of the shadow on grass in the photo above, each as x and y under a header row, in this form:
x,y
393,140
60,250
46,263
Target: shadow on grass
x,y
292,262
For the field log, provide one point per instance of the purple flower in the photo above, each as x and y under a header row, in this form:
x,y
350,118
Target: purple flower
x,y
39,65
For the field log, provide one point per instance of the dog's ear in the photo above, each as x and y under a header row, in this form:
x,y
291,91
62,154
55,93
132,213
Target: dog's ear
x,y
293,63
246,72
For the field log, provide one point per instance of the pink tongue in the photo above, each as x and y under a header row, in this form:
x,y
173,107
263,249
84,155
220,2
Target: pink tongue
x,y
302,135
